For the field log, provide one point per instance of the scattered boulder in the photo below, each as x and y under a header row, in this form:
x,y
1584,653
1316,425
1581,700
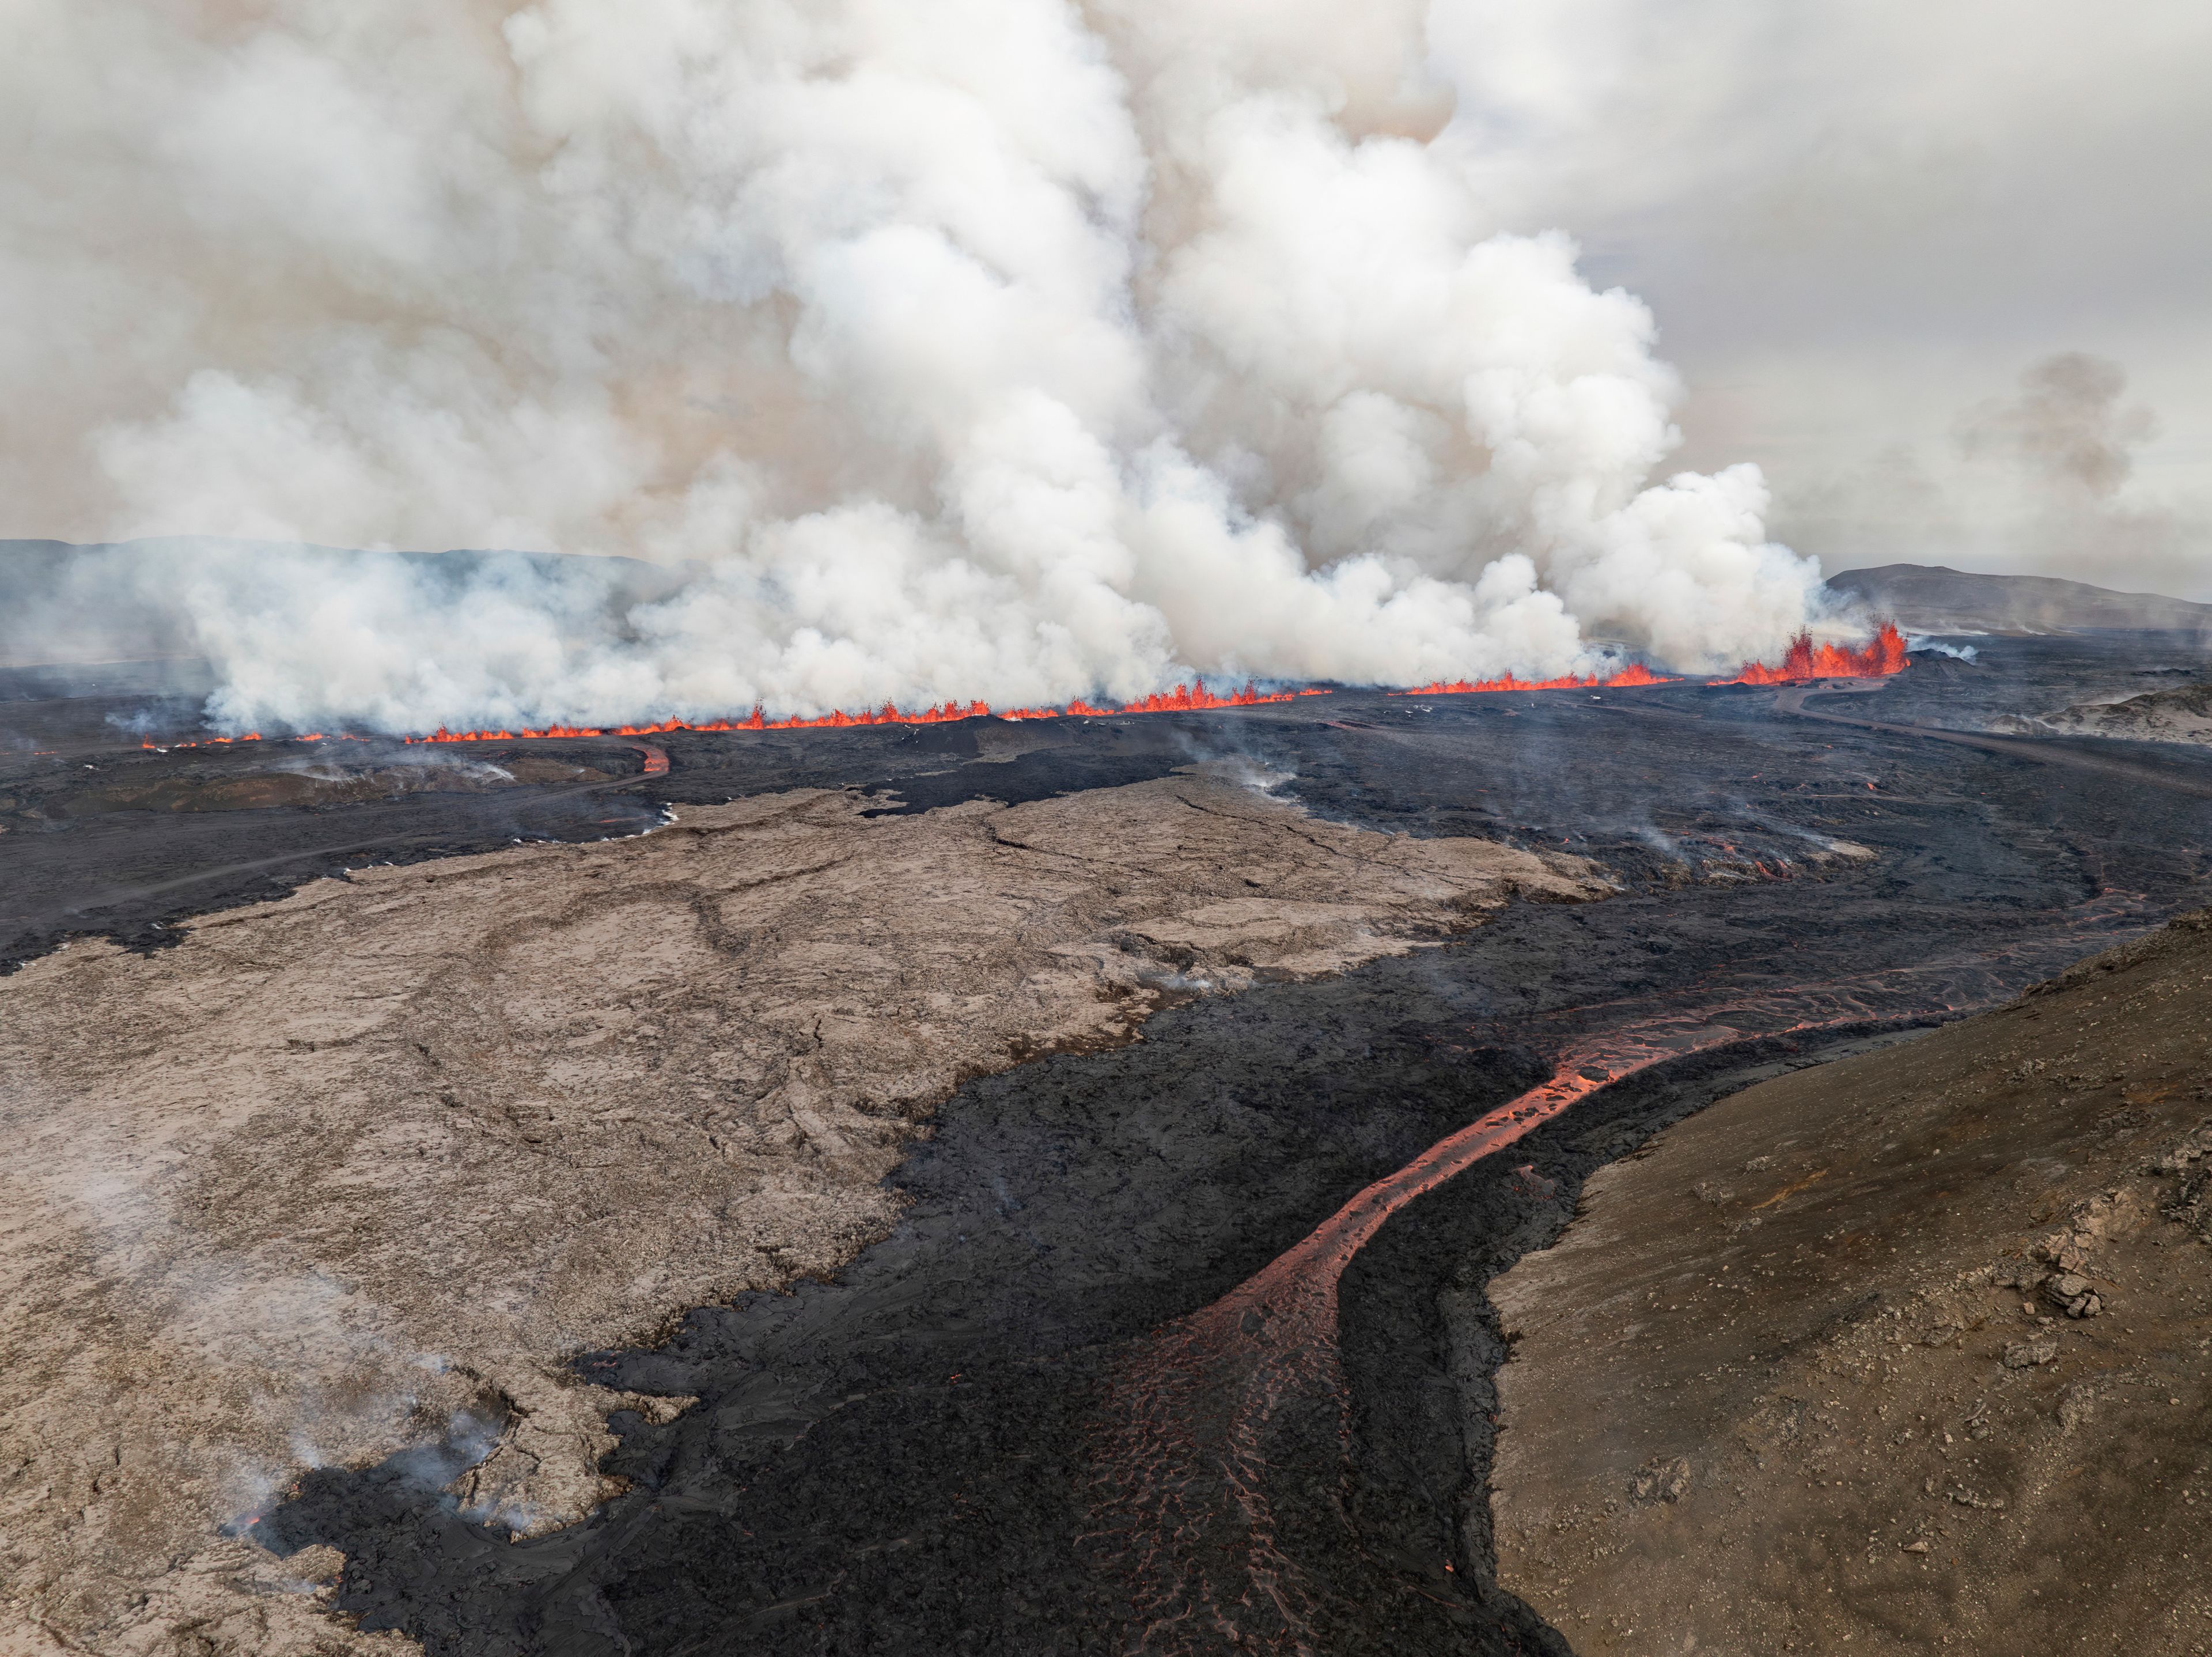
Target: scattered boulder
x,y
2073,1294
2027,1354
1661,1479
2075,1405
2185,1157
2063,1249
2115,1214
2190,1204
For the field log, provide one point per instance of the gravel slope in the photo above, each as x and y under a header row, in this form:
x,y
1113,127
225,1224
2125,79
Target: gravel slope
x,y
1909,1350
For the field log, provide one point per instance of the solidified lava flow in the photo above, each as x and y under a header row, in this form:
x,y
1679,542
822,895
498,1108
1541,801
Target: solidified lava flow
x,y
1183,1345
1193,1418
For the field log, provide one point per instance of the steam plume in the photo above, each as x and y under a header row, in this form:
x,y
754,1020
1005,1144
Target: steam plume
x,y
1008,349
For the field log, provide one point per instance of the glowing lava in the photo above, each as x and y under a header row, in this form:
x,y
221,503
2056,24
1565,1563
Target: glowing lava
x,y
1184,699
216,742
1202,1418
1883,655
1637,675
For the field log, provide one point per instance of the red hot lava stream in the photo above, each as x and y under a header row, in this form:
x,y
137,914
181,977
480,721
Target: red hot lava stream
x,y
1181,1508
1184,699
1804,660
1625,679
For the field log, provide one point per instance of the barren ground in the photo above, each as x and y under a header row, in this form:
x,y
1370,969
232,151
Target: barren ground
x,y
340,1171
1906,1351
2182,713
899,1459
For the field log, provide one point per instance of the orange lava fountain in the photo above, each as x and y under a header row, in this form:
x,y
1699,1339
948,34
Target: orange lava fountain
x,y
1883,655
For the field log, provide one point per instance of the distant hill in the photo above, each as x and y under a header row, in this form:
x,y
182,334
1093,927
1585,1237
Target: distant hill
x,y
2181,713
1930,599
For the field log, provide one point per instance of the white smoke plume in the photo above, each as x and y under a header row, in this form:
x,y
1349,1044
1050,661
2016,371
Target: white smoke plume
x,y
1006,349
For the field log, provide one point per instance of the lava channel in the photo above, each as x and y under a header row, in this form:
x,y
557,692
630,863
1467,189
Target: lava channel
x,y
1185,1443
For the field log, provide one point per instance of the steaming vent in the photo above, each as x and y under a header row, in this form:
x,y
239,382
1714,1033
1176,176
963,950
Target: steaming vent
x,y
1026,356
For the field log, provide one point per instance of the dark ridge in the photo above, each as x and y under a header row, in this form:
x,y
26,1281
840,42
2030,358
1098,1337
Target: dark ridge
x,y
1933,598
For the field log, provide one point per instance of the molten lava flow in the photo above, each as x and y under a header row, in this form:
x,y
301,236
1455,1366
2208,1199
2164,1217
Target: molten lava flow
x,y
1637,674
1884,655
1184,699
1804,660
214,742
1203,1416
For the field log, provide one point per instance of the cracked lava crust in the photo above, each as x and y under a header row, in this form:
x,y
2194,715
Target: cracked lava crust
x,y
397,1226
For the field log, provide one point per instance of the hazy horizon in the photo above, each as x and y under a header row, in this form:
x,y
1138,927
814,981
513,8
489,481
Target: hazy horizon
x,y
1035,349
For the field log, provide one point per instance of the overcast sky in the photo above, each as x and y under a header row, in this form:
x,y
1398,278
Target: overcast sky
x,y
1940,269
1860,225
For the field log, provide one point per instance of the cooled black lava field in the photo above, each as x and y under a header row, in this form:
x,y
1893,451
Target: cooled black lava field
x,y
1012,1426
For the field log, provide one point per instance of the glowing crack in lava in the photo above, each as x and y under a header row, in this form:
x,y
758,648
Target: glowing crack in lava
x,y
1627,678
1184,699
1882,656
1202,1415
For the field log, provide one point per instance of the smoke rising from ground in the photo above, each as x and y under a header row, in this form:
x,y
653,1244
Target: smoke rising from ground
x,y
2066,428
1004,349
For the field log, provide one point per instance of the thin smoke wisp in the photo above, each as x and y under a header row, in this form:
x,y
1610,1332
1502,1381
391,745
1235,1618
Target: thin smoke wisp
x,y
1010,349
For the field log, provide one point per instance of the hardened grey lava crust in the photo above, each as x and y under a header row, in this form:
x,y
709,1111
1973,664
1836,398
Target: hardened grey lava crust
x,y
864,1138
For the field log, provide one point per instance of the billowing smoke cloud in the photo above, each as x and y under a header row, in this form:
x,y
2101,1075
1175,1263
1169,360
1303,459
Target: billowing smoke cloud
x,y
1008,349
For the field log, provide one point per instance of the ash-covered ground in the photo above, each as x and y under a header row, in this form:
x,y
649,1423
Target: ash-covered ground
x,y
959,1442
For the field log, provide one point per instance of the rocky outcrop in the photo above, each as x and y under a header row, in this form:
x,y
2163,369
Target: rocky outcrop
x,y
2182,713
